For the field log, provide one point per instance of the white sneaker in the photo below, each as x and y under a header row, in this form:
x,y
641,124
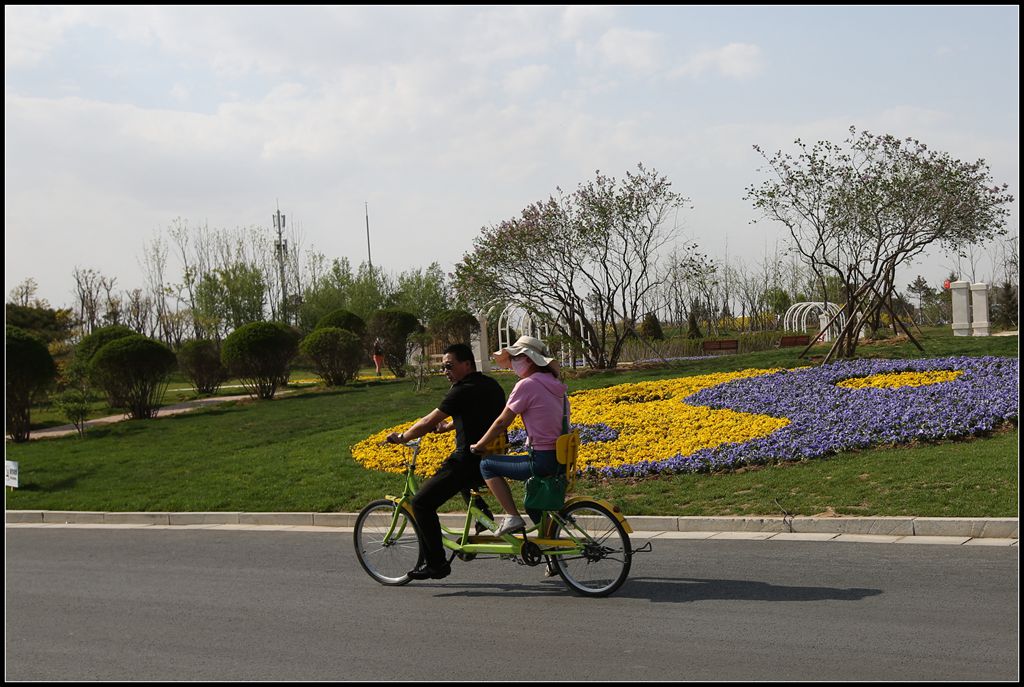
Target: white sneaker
x,y
511,523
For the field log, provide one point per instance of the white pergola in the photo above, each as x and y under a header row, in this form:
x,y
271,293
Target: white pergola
x,y
796,318
515,320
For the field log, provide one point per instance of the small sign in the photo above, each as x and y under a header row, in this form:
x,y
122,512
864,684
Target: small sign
x,y
11,480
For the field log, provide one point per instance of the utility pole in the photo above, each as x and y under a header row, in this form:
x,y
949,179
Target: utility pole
x,y
368,258
281,246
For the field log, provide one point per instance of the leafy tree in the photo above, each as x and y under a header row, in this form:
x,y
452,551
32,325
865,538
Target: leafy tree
x,y
74,404
230,296
50,325
327,293
337,354
393,328
371,290
136,369
1005,311
199,360
586,261
259,354
923,291
30,369
859,209
424,293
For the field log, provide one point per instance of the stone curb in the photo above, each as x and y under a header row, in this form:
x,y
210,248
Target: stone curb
x,y
974,528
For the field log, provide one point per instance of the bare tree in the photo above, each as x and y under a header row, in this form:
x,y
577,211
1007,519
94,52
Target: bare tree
x,y
88,287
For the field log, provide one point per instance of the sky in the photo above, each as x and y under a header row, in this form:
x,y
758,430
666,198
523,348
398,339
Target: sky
x,y
439,121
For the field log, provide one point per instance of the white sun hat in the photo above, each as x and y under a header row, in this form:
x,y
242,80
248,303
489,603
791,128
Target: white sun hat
x,y
534,349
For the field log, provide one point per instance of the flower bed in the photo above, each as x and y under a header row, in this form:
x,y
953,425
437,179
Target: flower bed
x,y
710,422
826,417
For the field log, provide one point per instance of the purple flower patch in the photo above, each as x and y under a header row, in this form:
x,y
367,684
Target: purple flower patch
x,y
826,419
589,434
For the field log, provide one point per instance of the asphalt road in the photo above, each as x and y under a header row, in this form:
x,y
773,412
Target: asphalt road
x,y
180,604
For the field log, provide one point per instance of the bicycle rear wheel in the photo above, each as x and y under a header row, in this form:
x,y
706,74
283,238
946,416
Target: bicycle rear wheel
x,y
387,559
603,564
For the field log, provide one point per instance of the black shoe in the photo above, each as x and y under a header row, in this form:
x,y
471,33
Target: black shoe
x,y
429,572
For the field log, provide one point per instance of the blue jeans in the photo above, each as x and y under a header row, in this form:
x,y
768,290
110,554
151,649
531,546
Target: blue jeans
x,y
518,467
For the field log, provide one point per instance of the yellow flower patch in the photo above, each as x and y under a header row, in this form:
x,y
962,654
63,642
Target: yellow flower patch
x,y
652,421
895,380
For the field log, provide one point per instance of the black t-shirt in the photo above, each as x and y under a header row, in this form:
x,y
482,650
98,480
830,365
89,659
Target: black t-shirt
x,y
473,403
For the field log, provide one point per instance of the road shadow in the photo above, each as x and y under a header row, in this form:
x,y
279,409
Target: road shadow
x,y
672,590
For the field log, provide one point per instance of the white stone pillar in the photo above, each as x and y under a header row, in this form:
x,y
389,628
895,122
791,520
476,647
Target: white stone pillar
x,y
481,349
960,291
823,327
979,307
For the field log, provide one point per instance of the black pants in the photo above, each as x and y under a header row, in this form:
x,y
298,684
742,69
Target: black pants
x,y
458,473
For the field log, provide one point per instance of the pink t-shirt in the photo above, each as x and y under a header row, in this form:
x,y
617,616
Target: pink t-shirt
x,y
538,398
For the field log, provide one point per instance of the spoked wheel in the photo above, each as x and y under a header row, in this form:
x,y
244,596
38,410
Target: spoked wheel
x,y
387,559
603,565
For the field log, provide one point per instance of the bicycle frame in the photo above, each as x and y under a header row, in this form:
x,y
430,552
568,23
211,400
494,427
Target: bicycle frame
x,y
471,544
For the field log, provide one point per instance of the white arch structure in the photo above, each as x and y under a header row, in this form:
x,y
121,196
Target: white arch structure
x,y
514,319
797,315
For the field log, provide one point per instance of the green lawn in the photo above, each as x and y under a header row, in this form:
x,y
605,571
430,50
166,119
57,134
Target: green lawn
x,y
292,454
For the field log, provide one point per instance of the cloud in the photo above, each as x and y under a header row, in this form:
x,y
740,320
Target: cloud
x,y
638,50
525,80
735,60
31,32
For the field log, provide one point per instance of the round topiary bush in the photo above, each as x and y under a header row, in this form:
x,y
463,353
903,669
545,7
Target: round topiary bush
x,y
199,360
650,328
87,348
30,368
258,354
343,319
336,354
454,326
91,343
134,368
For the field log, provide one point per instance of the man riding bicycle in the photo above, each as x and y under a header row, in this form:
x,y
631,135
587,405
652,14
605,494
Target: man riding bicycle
x,y
473,403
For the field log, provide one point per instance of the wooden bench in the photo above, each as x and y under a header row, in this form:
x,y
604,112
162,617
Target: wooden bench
x,y
788,341
719,346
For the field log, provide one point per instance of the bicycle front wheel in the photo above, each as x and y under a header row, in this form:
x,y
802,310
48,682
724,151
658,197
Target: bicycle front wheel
x,y
606,555
387,557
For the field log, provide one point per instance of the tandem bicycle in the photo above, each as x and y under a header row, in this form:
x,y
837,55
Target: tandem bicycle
x,y
586,542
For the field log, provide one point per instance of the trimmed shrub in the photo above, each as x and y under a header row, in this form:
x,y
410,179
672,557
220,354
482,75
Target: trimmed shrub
x,y
336,354
650,328
199,360
454,326
343,319
90,345
136,369
30,368
259,354
393,328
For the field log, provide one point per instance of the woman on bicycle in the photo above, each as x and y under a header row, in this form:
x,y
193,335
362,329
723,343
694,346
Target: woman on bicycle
x,y
540,398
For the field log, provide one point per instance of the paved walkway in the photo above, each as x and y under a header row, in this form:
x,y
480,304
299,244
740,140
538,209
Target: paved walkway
x,y
174,409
